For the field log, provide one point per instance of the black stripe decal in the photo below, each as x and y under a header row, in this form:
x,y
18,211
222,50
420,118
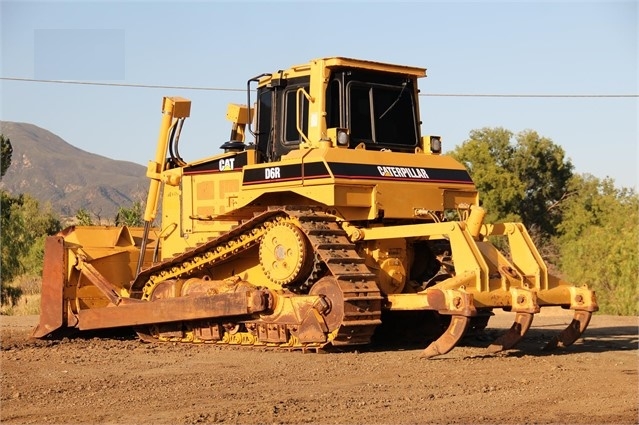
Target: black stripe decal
x,y
234,163
284,173
399,173
317,170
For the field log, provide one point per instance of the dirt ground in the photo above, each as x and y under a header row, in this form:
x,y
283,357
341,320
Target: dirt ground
x,y
121,380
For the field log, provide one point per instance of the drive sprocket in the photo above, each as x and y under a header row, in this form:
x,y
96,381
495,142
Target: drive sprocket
x,y
285,254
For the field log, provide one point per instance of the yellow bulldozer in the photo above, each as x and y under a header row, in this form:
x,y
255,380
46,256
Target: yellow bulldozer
x,y
336,224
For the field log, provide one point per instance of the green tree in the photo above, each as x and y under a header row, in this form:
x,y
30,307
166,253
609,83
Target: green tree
x,y
132,217
6,150
545,172
10,251
520,177
599,242
83,218
25,224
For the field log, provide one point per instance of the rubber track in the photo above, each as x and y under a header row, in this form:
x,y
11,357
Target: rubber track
x,y
361,296
362,299
235,240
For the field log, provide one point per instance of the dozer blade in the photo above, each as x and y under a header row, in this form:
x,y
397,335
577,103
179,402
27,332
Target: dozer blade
x,y
572,333
516,332
52,302
450,338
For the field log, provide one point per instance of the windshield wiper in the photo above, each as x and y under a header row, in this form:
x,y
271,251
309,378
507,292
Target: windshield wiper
x,y
392,105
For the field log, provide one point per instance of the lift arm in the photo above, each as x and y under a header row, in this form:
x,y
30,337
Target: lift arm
x,y
173,109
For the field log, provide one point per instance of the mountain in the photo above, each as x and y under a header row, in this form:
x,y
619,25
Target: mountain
x,y
51,170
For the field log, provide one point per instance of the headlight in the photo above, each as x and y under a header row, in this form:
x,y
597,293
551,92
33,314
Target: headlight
x,y
435,144
342,138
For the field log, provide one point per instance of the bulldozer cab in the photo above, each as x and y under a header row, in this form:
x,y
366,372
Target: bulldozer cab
x,y
376,109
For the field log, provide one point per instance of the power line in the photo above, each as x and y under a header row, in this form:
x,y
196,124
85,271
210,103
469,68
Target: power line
x,y
528,95
95,83
158,86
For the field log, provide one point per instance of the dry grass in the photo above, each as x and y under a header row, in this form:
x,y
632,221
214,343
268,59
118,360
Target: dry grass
x,y
28,303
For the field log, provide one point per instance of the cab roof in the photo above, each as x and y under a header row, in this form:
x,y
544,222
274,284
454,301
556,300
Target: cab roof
x,y
337,62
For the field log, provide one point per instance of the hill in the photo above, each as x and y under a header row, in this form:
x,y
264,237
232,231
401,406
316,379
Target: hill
x,y
48,168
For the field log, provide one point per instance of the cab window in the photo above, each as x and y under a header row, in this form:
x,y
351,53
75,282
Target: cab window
x,y
291,97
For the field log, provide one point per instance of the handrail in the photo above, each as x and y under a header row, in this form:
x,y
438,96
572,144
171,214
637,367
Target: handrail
x,y
297,111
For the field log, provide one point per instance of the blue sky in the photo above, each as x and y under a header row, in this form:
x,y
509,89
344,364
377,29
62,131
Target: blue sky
x,y
468,47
